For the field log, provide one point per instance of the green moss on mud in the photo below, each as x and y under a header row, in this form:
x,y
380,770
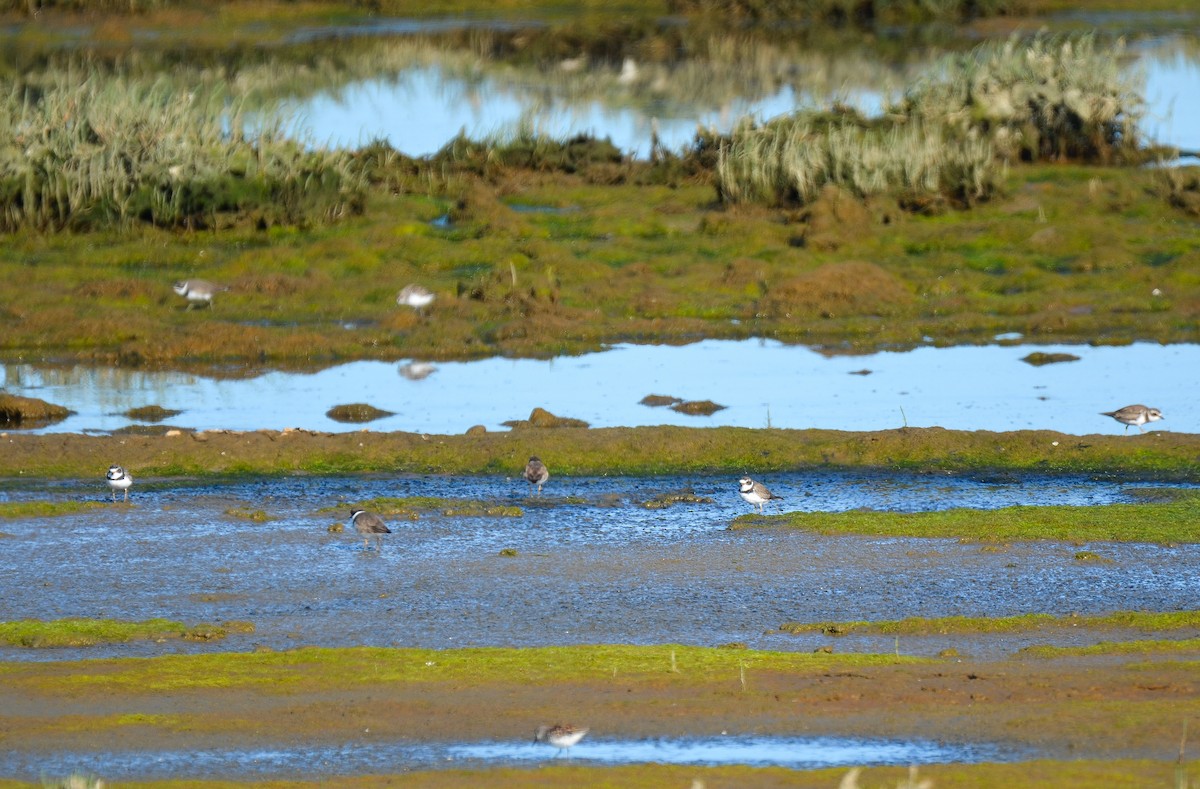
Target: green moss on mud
x,y
1154,523
643,451
921,626
88,632
1115,648
1068,254
351,666
45,509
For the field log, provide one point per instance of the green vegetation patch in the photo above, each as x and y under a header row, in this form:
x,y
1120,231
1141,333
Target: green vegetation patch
x,y
924,626
1155,523
46,509
351,666
641,451
28,411
89,632
248,514
1115,648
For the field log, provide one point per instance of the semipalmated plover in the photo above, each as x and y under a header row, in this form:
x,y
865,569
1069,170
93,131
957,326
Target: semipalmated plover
x,y
1134,415
369,525
119,480
536,472
755,492
561,736
197,291
415,296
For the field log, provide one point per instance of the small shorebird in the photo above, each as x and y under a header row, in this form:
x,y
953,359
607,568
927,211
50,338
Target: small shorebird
x,y
415,296
369,525
1134,415
755,492
561,736
197,291
536,472
119,480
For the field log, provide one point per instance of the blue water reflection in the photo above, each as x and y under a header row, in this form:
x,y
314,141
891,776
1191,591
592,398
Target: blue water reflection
x,y
421,108
309,762
761,383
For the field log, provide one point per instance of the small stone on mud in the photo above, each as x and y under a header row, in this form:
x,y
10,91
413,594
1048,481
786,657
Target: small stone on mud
x,y
508,552
654,401
540,417
698,407
825,650
356,412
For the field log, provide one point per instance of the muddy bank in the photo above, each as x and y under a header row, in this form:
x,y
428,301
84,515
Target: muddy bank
x,y
1038,709
575,451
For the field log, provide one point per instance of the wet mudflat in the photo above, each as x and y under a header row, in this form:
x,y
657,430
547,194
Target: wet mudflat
x,y
586,563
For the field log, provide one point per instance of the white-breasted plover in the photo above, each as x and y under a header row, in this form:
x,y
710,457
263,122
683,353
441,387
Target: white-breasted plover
x,y
198,291
1134,415
755,492
119,479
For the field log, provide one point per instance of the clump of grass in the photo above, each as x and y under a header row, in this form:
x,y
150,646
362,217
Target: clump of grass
x,y
35,633
89,148
1180,187
790,160
1049,98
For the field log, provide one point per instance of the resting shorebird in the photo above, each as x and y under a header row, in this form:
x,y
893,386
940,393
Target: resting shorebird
x,y
197,291
536,472
415,296
561,736
119,480
755,492
369,525
1134,415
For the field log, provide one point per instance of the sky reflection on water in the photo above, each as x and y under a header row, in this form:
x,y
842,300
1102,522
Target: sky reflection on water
x,y
761,383
421,109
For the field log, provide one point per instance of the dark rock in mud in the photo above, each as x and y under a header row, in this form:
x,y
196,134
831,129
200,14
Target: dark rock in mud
x,y
654,401
17,411
1038,358
356,412
151,413
698,407
540,417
